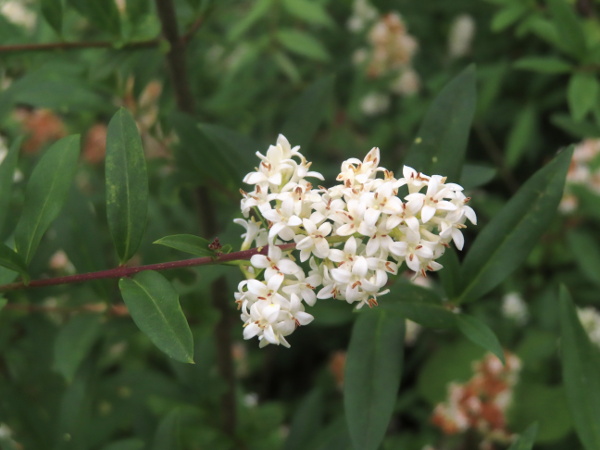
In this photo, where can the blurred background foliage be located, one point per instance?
(77, 374)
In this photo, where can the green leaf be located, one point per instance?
(582, 94)
(11, 260)
(578, 129)
(543, 64)
(580, 369)
(450, 274)
(586, 253)
(2, 303)
(7, 170)
(168, 433)
(526, 439)
(125, 444)
(154, 307)
(52, 10)
(287, 66)
(479, 333)
(102, 13)
(372, 376)
(508, 16)
(418, 304)
(303, 44)
(309, 11)
(126, 184)
(307, 421)
(442, 138)
(506, 241)
(569, 27)
(74, 342)
(476, 175)
(259, 9)
(188, 243)
(520, 135)
(308, 112)
(45, 194)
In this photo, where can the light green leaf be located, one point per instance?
(441, 141)
(308, 112)
(126, 184)
(303, 44)
(188, 243)
(259, 9)
(521, 135)
(372, 376)
(309, 11)
(580, 369)
(506, 241)
(508, 15)
(154, 307)
(287, 66)
(526, 439)
(11, 260)
(569, 27)
(7, 170)
(543, 64)
(582, 94)
(418, 304)
(74, 342)
(479, 333)
(307, 421)
(585, 249)
(52, 10)
(45, 194)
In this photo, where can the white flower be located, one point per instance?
(314, 242)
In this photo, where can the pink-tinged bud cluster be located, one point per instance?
(348, 239)
(482, 402)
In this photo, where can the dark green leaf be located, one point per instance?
(2, 303)
(154, 307)
(188, 243)
(440, 145)
(309, 11)
(582, 94)
(126, 184)
(450, 274)
(479, 333)
(45, 194)
(52, 10)
(307, 421)
(569, 27)
(543, 64)
(521, 135)
(580, 369)
(476, 175)
(526, 439)
(303, 44)
(7, 170)
(74, 342)
(102, 13)
(585, 250)
(372, 376)
(308, 112)
(11, 260)
(507, 240)
(575, 128)
(168, 433)
(418, 304)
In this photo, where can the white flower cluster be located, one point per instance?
(350, 237)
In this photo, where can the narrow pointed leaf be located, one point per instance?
(302, 43)
(372, 376)
(126, 184)
(73, 344)
(580, 369)
(569, 27)
(45, 194)
(307, 422)
(526, 440)
(52, 10)
(587, 254)
(441, 141)
(154, 307)
(168, 432)
(582, 94)
(507, 240)
(11, 260)
(307, 112)
(479, 333)
(188, 243)
(7, 170)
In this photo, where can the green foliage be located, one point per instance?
(372, 373)
(187, 243)
(126, 184)
(525, 440)
(154, 307)
(480, 334)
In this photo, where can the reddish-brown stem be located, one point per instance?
(120, 272)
